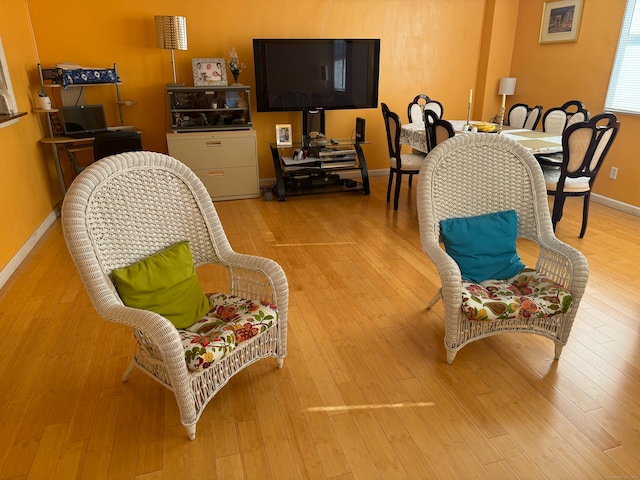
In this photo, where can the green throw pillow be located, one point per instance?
(484, 247)
(164, 283)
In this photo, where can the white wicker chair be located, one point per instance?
(475, 174)
(129, 206)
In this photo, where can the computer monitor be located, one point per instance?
(83, 120)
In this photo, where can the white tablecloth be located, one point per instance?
(536, 142)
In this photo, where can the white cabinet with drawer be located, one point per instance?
(225, 161)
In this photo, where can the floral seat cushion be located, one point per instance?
(231, 321)
(526, 295)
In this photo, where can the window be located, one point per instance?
(623, 94)
(7, 100)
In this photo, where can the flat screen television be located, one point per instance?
(316, 74)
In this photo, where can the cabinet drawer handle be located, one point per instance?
(213, 143)
(216, 173)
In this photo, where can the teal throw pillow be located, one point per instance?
(484, 247)
(164, 283)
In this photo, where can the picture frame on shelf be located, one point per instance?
(284, 138)
(561, 21)
(209, 71)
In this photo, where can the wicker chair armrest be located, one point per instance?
(157, 330)
(451, 288)
(154, 326)
(256, 277)
(563, 264)
(445, 264)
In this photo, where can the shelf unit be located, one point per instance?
(71, 96)
(320, 171)
(211, 133)
(210, 108)
(68, 98)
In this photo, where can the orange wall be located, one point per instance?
(418, 45)
(499, 31)
(442, 48)
(28, 190)
(551, 74)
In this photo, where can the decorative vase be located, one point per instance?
(235, 78)
(44, 103)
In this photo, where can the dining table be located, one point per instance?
(538, 143)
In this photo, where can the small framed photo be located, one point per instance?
(283, 135)
(561, 21)
(209, 71)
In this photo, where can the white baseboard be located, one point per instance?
(19, 257)
(616, 205)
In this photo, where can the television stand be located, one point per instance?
(320, 171)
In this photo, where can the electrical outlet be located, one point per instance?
(613, 173)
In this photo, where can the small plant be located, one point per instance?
(234, 64)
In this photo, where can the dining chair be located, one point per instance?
(437, 130)
(533, 117)
(517, 115)
(420, 104)
(556, 119)
(472, 240)
(137, 224)
(584, 148)
(399, 163)
(576, 112)
(522, 116)
(415, 109)
(436, 107)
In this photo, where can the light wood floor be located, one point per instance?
(365, 392)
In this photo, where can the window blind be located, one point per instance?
(623, 94)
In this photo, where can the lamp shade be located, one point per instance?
(171, 32)
(507, 86)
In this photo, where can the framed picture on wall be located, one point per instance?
(209, 71)
(7, 99)
(283, 135)
(561, 21)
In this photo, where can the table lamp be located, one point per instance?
(507, 87)
(171, 34)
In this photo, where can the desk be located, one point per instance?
(70, 146)
(536, 142)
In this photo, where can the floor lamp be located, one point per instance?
(171, 34)
(507, 87)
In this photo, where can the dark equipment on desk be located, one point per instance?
(83, 121)
(111, 143)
